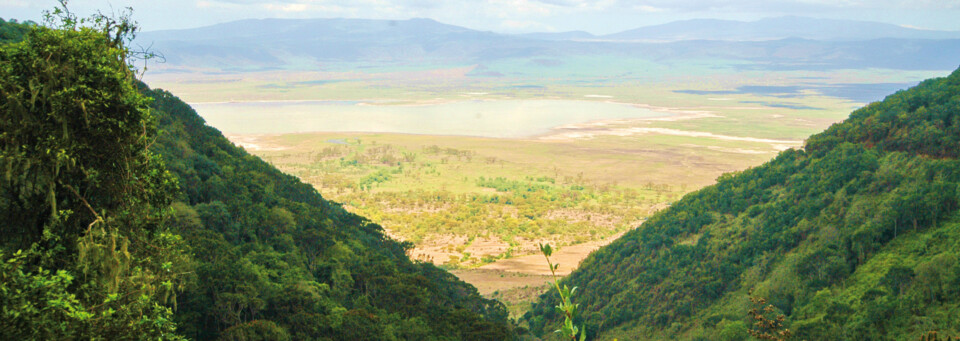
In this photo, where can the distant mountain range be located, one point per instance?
(785, 42)
(570, 35)
(275, 42)
(776, 29)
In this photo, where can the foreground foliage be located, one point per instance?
(566, 307)
(101, 178)
(853, 237)
(83, 253)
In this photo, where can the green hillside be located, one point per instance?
(269, 247)
(123, 216)
(854, 237)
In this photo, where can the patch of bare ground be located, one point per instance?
(483, 246)
(518, 281)
(439, 249)
(489, 282)
(515, 290)
(574, 133)
(253, 143)
(568, 257)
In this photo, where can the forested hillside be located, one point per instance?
(854, 237)
(269, 250)
(13, 31)
(125, 217)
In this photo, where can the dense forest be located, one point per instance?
(125, 217)
(13, 31)
(854, 237)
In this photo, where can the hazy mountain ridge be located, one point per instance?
(569, 35)
(803, 54)
(776, 29)
(267, 42)
(298, 44)
(308, 29)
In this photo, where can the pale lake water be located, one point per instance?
(495, 118)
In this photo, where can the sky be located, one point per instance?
(507, 16)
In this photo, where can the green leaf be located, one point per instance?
(546, 250)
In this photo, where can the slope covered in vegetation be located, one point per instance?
(269, 248)
(135, 220)
(13, 31)
(84, 252)
(856, 236)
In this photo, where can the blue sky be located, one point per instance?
(509, 16)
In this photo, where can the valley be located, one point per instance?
(477, 163)
(367, 179)
(475, 189)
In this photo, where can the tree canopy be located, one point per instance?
(82, 199)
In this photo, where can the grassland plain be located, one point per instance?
(480, 205)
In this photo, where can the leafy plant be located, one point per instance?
(566, 307)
